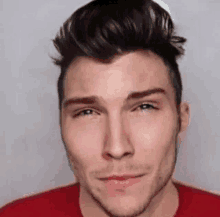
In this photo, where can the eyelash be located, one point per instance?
(149, 107)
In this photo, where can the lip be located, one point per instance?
(119, 183)
(120, 177)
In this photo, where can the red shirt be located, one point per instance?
(197, 203)
(64, 202)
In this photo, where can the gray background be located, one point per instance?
(32, 157)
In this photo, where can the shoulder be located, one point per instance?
(197, 202)
(55, 202)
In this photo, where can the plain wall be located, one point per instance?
(32, 156)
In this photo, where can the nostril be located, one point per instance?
(127, 153)
(109, 156)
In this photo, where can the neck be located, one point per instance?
(167, 204)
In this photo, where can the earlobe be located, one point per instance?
(184, 116)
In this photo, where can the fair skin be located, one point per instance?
(113, 134)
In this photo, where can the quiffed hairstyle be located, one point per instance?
(103, 29)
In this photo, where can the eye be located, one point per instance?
(146, 107)
(84, 113)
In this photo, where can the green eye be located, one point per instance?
(86, 112)
(146, 106)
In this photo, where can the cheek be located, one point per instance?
(153, 136)
(83, 141)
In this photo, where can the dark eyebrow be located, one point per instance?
(142, 94)
(81, 100)
(94, 99)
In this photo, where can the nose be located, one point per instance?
(117, 144)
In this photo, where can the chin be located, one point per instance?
(121, 203)
(131, 201)
(123, 206)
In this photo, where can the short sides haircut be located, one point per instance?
(103, 29)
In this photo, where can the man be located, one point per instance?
(120, 114)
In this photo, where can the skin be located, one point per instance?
(115, 136)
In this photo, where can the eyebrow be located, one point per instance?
(94, 99)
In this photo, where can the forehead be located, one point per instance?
(136, 71)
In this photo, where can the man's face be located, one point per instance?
(121, 144)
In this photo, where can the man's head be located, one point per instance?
(120, 102)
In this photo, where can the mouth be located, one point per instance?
(121, 182)
(120, 177)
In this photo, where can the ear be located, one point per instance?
(184, 116)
